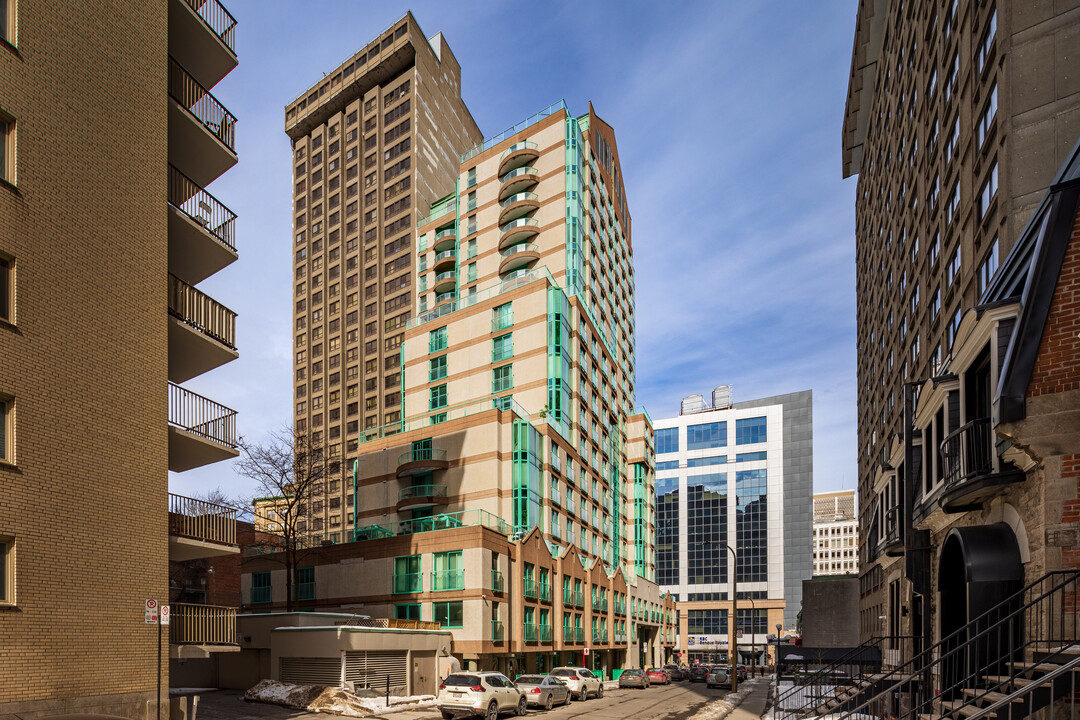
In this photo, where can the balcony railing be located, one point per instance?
(579, 598)
(201, 520)
(408, 583)
(543, 591)
(529, 589)
(514, 130)
(202, 624)
(202, 312)
(202, 416)
(203, 106)
(422, 454)
(530, 633)
(497, 632)
(519, 248)
(568, 633)
(579, 634)
(543, 633)
(261, 594)
(498, 584)
(422, 491)
(218, 19)
(202, 207)
(447, 580)
(620, 637)
(968, 452)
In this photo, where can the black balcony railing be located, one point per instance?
(893, 532)
(968, 452)
(202, 416)
(202, 312)
(203, 106)
(218, 19)
(202, 207)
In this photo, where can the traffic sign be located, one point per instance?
(150, 612)
(164, 614)
(586, 652)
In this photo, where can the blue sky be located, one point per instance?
(728, 120)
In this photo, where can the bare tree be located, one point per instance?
(291, 470)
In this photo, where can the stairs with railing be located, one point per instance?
(1011, 661)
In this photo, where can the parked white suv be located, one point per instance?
(479, 693)
(581, 681)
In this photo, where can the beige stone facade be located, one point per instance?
(106, 231)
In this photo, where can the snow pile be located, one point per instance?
(342, 702)
(297, 697)
(333, 700)
(720, 708)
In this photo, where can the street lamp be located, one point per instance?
(776, 663)
(753, 637)
(733, 620)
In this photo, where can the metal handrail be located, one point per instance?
(204, 107)
(967, 452)
(992, 709)
(201, 520)
(197, 309)
(517, 172)
(189, 198)
(218, 19)
(421, 454)
(191, 624)
(202, 416)
(954, 647)
(419, 491)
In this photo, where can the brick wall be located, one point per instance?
(1058, 366)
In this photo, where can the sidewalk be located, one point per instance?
(753, 705)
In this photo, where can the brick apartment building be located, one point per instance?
(108, 139)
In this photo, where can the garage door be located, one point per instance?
(311, 671)
(371, 668)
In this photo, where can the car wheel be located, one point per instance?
(549, 702)
(569, 697)
(583, 695)
(522, 706)
(600, 691)
(492, 711)
(447, 715)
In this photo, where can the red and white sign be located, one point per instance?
(164, 614)
(150, 612)
(585, 652)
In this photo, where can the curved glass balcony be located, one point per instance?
(445, 280)
(518, 230)
(517, 205)
(517, 256)
(445, 259)
(517, 180)
(517, 155)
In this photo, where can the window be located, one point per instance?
(502, 317)
(437, 397)
(988, 267)
(747, 457)
(7, 142)
(7, 556)
(407, 611)
(502, 347)
(709, 435)
(750, 430)
(260, 587)
(305, 583)
(407, 576)
(437, 368)
(7, 427)
(502, 378)
(448, 614)
(986, 118)
(986, 45)
(667, 440)
(7, 288)
(988, 192)
(437, 340)
(7, 28)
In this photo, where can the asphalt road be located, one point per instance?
(677, 701)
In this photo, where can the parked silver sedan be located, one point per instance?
(634, 677)
(544, 690)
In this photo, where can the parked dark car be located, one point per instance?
(675, 672)
(634, 678)
(698, 673)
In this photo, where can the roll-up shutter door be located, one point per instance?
(311, 671)
(371, 668)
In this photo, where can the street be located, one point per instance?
(660, 702)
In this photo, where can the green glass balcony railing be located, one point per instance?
(567, 596)
(260, 595)
(445, 233)
(579, 634)
(519, 248)
(530, 632)
(497, 582)
(497, 633)
(422, 491)
(523, 145)
(520, 223)
(421, 454)
(519, 197)
(447, 580)
(543, 633)
(516, 173)
(579, 598)
(543, 591)
(408, 583)
(529, 589)
(444, 255)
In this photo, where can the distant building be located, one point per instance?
(763, 451)
(836, 533)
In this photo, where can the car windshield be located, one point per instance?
(530, 680)
(461, 681)
(565, 673)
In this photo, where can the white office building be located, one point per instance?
(734, 476)
(836, 533)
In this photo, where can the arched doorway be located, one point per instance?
(979, 573)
